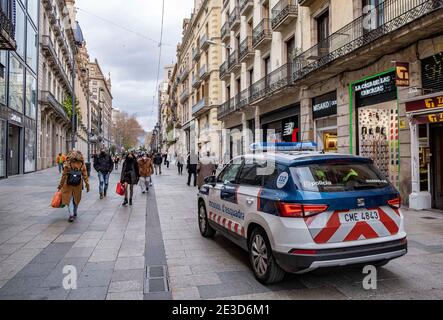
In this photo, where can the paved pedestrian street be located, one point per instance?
(153, 250)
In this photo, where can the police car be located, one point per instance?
(297, 211)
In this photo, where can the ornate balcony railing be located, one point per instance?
(234, 18)
(48, 98)
(233, 61)
(226, 108)
(242, 99)
(204, 42)
(184, 75)
(223, 70)
(381, 20)
(261, 32)
(184, 95)
(203, 72)
(7, 31)
(246, 6)
(200, 106)
(245, 49)
(49, 49)
(274, 81)
(283, 11)
(225, 31)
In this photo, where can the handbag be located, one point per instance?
(120, 190)
(56, 201)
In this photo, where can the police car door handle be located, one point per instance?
(250, 201)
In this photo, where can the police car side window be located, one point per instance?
(270, 181)
(248, 175)
(229, 175)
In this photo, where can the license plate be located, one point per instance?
(359, 216)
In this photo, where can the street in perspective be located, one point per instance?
(194, 150)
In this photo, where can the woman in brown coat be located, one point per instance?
(72, 182)
(145, 168)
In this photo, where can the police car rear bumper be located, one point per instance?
(302, 263)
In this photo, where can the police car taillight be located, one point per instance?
(294, 210)
(395, 203)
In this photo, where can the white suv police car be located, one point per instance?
(310, 210)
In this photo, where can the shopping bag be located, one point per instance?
(56, 202)
(120, 190)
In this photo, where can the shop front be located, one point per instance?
(375, 106)
(426, 121)
(282, 125)
(324, 114)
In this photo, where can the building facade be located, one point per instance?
(328, 71)
(19, 49)
(195, 88)
(57, 51)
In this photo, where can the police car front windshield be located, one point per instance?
(338, 177)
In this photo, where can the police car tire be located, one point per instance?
(274, 273)
(209, 232)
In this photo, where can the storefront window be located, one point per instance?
(2, 148)
(324, 112)
(20, 30)
(29, 150)
(31, 54)
(3, 77)
(31, 95)
(16, 84)
(424, 155)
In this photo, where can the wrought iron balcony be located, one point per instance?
(184, 96)
(227, 108)
(225, 3)
(242, 99)
(204, 42)
(52, 14)
(391, 16)
(48, 50)
(225, 32)
(204, 73)
(196, 81)
(196, 54)
(233, 64)
(47, 98)
(7, 31)
(246, 7)
(261, 35)
(283, 14)
(246, 51)
(184, 75)
(224, 74)
(277, 80)
(200, 107)
(234, 18)
(305, 3)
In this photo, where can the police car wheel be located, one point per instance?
(265, 268)
(205, 229)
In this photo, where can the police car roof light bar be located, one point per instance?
(284, 146)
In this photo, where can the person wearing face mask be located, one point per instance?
(104, 165)
(146, 168)
(129, 176)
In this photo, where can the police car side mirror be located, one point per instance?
(212, 180)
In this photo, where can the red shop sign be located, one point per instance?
(429, 118)
(426, 104)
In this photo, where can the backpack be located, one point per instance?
(74, 178)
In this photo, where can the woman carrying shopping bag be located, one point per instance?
(129, 176)
(72, 183)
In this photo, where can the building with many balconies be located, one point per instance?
(330, 72)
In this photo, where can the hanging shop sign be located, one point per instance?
(402, 73)
(376, 90)
(425, 104)
(325, 105)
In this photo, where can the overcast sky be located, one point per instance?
(131, 59)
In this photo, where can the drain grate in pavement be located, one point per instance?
(157, 279)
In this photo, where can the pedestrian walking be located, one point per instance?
(129, 176)
(158, 160)
(146, 168)
(104, 165)
(192, 170)
(72, 183)
(60, 160)
(180, 164)
(206, 168)
(116, 161)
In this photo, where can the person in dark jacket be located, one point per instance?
(158, 160)
(104, 165)
(192, 170)
(129, 176)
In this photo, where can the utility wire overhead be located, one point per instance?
(159, 58)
